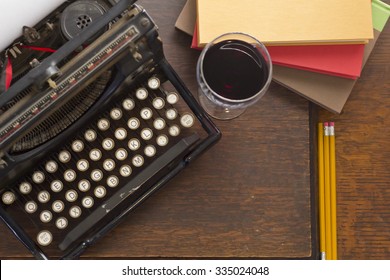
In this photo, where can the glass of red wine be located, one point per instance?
(234, 71)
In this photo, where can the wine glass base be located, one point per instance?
(218, 112)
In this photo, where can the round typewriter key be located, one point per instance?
(43, 196)
(56, 186)
(45, 216)
(146, 113)
(146, 134)
(158, 103)
(159, 124)
(84, 185)
(90, 135)
(138, 161)
(150, 151)
(38, 177)
(64, 156)
(125, 171)
(44, 238)
(172, 98)
(96, 175)
(187, 120)
(109, 165)
(58, 206)
(116, 114)
(82, 165)
(108, 144)
(87, 202)
(134, 144)
(31, 207)
(71, 196)
(141, 93)
(154, 83)
(100, 192)
(95, 154)
(171, 114)
(8, 198)
(25, 188)
(103, 124)
(121, 154)
(133, 123)
(174, 130)
(77, 146)
(112, 181)
(75, 212)
(70, 175)
(61, 223)
(120, 134)
(162, 140)
(128, 104)
(51, 166)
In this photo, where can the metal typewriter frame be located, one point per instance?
(41, 73)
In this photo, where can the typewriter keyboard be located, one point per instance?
(108, 162)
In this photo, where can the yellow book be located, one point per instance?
(292, 22)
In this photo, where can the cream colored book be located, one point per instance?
(281, 22)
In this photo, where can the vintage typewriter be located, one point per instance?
(93, 120)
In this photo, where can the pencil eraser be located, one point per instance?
(326, 124)
(331, 124)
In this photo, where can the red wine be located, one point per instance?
(235, 69)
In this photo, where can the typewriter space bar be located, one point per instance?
(137, 182)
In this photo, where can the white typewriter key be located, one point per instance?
(51, 166)
(116, 114)
(31, 207)
(61, 223)
(174, 130)
(38, 177)
(154, 83)
(134, 144)
(159, 123)
(121, 154)
(133, 123)
(109, 165)
(112, 181)
(171, 114)
(187, 120)
(95, 154)
(138, 161)
(64, 156)
(70, 175)
(71, 196)
(84, 185)
(87, 202)
(125, 171)
(150, 151)
(77, 146)
(90, 135)
(75, 212)
(162, 140)
(146, 134)
(128, 104)
(141, 93)
(120, 133)
(103, 124)
(25, 188)
(82, 165)
(58, 206)
(100, 192)
(8, 198)
(56, 186)
(46, 216)
(44, 238)
(43, 196)
(172, 98)
(146, 113)
(108, 144)
(158, 103)
(96, 175)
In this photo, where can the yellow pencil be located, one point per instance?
(333, 200)
(328, 231)
(321, 190)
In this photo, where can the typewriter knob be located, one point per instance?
(79, 15)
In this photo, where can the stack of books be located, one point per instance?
(318, 48)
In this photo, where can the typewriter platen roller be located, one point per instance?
(93, 120)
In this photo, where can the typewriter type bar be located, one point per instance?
(64, 193)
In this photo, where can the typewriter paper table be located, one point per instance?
(248, 197)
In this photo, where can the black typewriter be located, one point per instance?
(93, 120)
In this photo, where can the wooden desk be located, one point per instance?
(250, 196)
